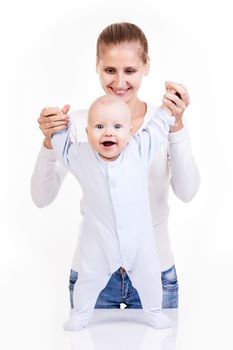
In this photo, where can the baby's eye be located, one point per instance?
(117, 126)
(99, 126)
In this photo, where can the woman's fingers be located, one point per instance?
(174, 87)
(174, 103)
(65, 109)
(48, 132)
(54, 124)
(53, 119)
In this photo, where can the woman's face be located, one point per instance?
(121, 69)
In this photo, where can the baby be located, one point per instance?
(112, 169)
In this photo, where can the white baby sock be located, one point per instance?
(157, 319)
(74, 323)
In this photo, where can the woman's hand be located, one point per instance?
(175, 105)
(52, 119)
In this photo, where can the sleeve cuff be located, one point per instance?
(178, 136)
(166, 117)
(48, 153)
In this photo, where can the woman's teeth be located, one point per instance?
(120, 92)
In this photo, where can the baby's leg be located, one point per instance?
(147, 280)
(86, 292)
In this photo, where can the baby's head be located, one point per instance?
(109, 126)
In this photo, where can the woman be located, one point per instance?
(122, 62)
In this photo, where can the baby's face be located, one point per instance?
(109, 128)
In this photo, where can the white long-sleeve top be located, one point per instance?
(172, 164)
(117, 226)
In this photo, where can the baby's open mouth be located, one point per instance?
(108, 143)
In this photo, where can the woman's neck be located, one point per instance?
(138, 111)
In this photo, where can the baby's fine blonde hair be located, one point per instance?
(106, 100)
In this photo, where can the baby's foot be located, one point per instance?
(158, 319)
(73, 323)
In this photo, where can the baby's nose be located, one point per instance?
(108, 132)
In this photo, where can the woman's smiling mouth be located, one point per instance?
(120, 92)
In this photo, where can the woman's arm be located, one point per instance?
(185, 178)
(47, 177)
(48, 173)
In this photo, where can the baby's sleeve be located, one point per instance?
(154, 134)
(64, 147)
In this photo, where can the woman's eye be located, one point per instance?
(110, 70)
(99, 126)
(117, 126)
(130, 71)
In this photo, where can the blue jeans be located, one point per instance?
(120, 290)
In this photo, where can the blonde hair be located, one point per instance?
(107, 100)
(117, 33)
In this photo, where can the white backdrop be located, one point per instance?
(48, 58)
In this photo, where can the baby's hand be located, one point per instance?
(175, 101)
(51, 120)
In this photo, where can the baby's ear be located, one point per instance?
(147, 66)
(97, 68)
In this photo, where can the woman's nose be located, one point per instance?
(120, 81)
